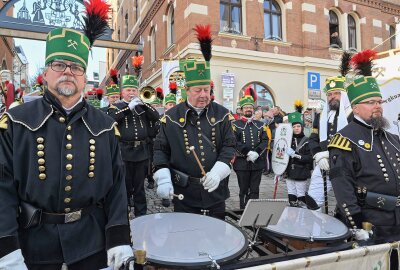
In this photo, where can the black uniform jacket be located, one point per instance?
(250, 136)
(300, 169)
(135, 128)
(61, 164)
(363, 160)
(212, 136)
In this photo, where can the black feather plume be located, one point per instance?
(345, 67)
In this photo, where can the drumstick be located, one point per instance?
(179, 196)
(198, 161)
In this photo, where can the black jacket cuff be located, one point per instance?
(8, 244)
(117, 236)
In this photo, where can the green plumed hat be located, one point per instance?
(249, 97)
(362, 88)
(112, 89)
(335, 84)
(170, 98)
(129, 81)
(197, 72)
(94, 102)
(295, 117)
(364, 85)
(67, 44)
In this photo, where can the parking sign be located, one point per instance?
(314, 81)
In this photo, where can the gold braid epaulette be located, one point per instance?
(340, 142)
(3, 121)
(163, 119)
(315, 131)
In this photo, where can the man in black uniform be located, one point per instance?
(113, 95)
(205, 126)
(365, 162)
(251, 149)
(133, 118)
(62, 193)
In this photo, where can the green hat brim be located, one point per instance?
(362, 88)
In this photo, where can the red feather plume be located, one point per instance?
(249, 91)
(160, 93)
(114, 75)
(137, 61)
(173, 87)
(97, 7)
(39, 80)
(203, 34)
(212, 84)
(6, 82)
(95, 19)
(362, 62)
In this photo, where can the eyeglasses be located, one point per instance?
(372, 102)
(61, 67)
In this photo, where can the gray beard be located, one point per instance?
(66, 92)
(378, 122)
(334, 105)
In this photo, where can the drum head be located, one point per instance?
(186, 240)
(304, 224)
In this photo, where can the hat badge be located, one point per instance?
(332, 84)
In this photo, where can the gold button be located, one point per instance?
(40, 140)
(42, 176)
(199, 134)
(92, 141)
(186, 143)
(68, 146)
(91, 174)
(68, 167)
(200, 141)
(40, 153)
(68, 177)
(92, 148)
(187, 152)
(202, 153)
(42, 168)
(91, 161)
(201, 147)
(67, 188)
(69, 137)
(185, 135)
(91, 168)
(40, 147)
(69, 156)
(67, 200)
(69, 128)
(213, 133)
(92, 154)
(41, 161)
(203, 159)
(61, 119)
(67, 210)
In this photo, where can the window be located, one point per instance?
(272, 20)
(171, 26)
(4, 65)
(126, 26)
(392, 32)
(352, 29)
(264, 96)
(334, 38)
(153, 45)
(119, 34)
(231, 16)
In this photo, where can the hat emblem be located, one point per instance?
(201, 72)
(72, 43)
(332, 84)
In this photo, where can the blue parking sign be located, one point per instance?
(314, 80)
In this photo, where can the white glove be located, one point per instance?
(164, 183)
(290, 152)
(360, 234)
(13, 260)
(218, 172)
(252, 156)
(322, 159)
(134, 102)
(118, 255)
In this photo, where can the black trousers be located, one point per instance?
(96, 261)
(134, 181)
(217, 210)
(249, 186)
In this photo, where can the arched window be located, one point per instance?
(272, 20)
(231, 16)
(334, 37)
(392, 31)
(153, 45)
(4, 65)
(171, 26)
(352, 30)
(126, 26)
(264, 96)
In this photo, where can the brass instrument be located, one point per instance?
(147, 95)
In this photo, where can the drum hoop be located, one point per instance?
(196, 265)
(315, 239)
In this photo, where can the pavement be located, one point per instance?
(266, 192)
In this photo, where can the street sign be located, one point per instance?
(313, 81)
(314, 94)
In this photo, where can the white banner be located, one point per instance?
(283, 140)
(371, 257)
(168, 67)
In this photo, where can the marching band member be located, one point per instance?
(112, 91)
(251, 146)
(62, 196)
(133, 117)
(365, 161)
(201, 124)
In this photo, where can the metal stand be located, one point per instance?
(324, 175)
(256, 230)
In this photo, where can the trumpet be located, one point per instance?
(147, 95)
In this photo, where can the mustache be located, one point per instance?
(66, 78)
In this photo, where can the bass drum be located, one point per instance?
(186, 241)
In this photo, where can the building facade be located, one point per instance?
(285, 48)
(6, 49)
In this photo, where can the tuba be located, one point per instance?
(147, 95)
